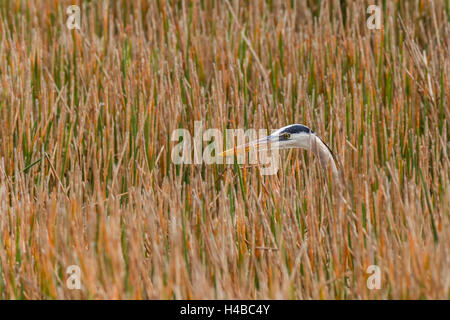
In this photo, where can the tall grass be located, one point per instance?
(86, 176)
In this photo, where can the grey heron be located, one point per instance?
(294, 136)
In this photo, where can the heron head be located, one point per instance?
(292, 136)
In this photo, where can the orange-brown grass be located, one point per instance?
(86, 176)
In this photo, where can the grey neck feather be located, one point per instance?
(326, 158)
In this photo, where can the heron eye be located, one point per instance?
(286, 136)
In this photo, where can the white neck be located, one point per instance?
(327, 161)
